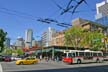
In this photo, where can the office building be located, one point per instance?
(19, 42)
(34, 43)
(7, 42)
(102, 13)
(47, 36)
(58, 39)
(28, 38)
(89, 25)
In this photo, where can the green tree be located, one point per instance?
(73, 36)
(19, 51)
(92, 39)
(77, 37)
(6, 51)
(2, 39)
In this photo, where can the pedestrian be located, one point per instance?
(40, 57)
(57, 58)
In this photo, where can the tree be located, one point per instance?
(73, 36)
(8, 51)
(19, 51)
(92, 39)
(2, 39)
(78, 37)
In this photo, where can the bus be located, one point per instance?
(82, 56)
(105, 56)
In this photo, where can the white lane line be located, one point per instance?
(1, 70)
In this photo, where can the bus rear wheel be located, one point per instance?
(98, 61)
(79, 61)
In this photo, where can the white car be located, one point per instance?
(15, 58)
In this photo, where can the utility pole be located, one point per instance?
(105, 42)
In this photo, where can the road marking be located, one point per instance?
(1, 70)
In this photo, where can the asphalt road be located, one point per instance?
(55, 67)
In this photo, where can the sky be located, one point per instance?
(16, 16)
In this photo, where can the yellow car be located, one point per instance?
(27, 61)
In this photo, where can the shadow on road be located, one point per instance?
(103, 68)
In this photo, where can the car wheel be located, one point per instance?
(78, 61)
(34, 63)
(21, 63)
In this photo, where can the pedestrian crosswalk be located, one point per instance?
(1, 70)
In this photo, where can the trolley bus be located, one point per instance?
(82, 56)
(105, 56)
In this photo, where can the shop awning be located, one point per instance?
(46, 50)
(60, 50)
(38, 51)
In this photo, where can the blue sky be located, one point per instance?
(16, 25)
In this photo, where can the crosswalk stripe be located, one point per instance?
(1, 70)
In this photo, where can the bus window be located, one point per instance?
(76, 53)
(73, 54)
(69, 54)
(87, 54)
(99, 54)
(81, 53)
(105, 54)
(64, 55)
(91, 53)
(94, 54)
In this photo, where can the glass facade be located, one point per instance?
(29, 37)
(103, 20)
(102, 13)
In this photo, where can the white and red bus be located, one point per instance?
(105, 56)
(82, 56)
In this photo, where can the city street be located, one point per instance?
(55, 67)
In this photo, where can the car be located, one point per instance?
(18, 58)
(1, 58)
(6, 58)
(27, 61)
(15, 58)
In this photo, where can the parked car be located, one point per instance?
(15, 58)
(1, 58)
(27, 61)
(6, 58)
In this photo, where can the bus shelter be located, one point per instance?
(53, 51)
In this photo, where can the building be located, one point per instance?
(7, 42)
(102, 13)
(34, 43)
(58, 39)
(78, 21)
(89, 25)
(19, 42)
(47, 36)
(28, 38)
(39, 43)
